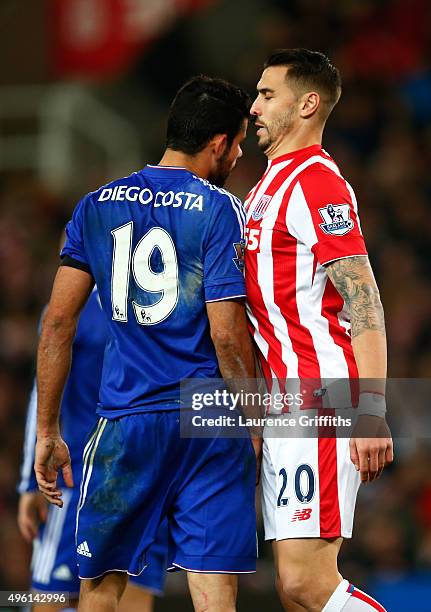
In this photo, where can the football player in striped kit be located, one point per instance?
(315, 313)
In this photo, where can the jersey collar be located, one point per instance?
(150, 169)
(306, 151)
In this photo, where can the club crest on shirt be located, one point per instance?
(239, 250)
(260, 208)
(336, 217)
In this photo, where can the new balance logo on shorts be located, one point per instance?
(302, 515)
(84, 550)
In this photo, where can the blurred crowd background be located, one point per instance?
(84, 91)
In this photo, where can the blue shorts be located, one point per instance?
(138, 470)
(54, 565)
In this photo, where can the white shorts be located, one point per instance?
(309, 488)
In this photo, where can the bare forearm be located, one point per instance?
(354, 280)
(53, 364)
(238, 368)
(235, 357)
(235, 354)
(69, 294)
(370, 353)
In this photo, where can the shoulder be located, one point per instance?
(103, 190)
(222, 200)
(320, 166)
(218, 194)
(322, 177)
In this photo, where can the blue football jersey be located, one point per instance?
(78, 406)
(159, 244)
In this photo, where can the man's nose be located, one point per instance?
(255, 110)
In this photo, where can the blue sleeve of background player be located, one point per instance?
(224, 250)
(73, 252)
(28, 477)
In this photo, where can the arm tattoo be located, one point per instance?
(354, 281)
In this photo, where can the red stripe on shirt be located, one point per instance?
(254, 293)
(369, 600)
(285, 283)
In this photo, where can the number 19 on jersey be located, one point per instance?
(138, 263)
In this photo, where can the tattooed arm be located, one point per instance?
(354, 280)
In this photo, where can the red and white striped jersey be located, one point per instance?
(300, 216)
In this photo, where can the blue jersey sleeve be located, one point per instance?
(224, 251)
(28, 477)
(73, 252)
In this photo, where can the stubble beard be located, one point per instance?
(277, 130)
(221, 174)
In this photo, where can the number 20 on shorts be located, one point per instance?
(305, 485)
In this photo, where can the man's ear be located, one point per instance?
(218, 145)
(310, 103)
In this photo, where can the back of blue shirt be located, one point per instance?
(159, 244)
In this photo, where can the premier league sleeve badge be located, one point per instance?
(337, 221)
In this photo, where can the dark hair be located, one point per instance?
(203, 108)
(310, 70)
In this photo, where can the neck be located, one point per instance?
(195, 164)
(294, 141)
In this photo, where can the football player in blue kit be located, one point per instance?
(162, 247)
(52, 530)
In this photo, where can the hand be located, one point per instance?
(257, 445)
(32, 511)
(52, 453)
(370, 455)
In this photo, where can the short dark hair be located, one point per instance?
(203, 108)
(309, 70)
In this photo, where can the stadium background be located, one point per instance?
(84, 91)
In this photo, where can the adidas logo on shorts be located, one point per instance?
(84, 550)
